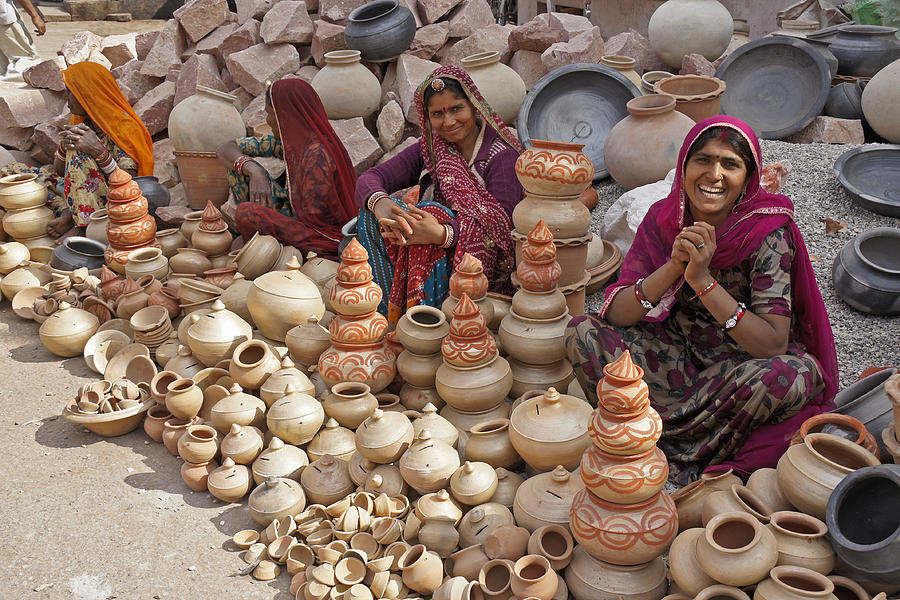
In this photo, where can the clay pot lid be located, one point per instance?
(68, 320)
(229, 475)
(288, 284)
(426, 453)
(549, 493)
(473, 478)
(236, 400)
(276, 494)
(13, 254)
(539, 246)
(382, 428)
(332, 439)
(551, 417)
(439, 427)
(293, 405)
(280, 457)
(319, 269)
(623, 368)
(354, 267)
(288, 374)
(436, 504)
(218, 325)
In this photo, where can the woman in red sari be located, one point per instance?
(316, 199)
(718, 304)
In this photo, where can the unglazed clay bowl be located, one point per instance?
(110, 424)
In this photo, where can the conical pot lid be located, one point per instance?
(219, 325)
(551, 417)
(289, 284)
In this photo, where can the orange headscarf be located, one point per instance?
(94, 87)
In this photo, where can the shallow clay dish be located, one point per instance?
(140, 369)
(777, 85)
(118, 422)
(106, 343)
(23, 301)
(578, 103)
(118, 364)
(871, 176)
(151, 319)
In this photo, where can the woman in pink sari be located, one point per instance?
(717, 302)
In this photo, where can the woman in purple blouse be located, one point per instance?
(464, 165)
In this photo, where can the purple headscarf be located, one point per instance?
(757, 214)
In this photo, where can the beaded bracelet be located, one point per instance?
(705, 290)
(373, 200)
(449, 234)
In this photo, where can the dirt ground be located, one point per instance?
(90, 518)
(59, 32)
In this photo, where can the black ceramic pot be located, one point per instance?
(864, 523)
(866, 272)
(349, 231)
(845, 101)
(380, 30)
(76, 252)
(868, 402)
(863, 50)
(820, 46)
(156, 194)
(871, 176)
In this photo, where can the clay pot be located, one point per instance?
(495, 579)
(439, 535)
(258, 256)
(358, 330)
(533, 578)
(371, 364)
(864, 50)
(230, 482)
(421, 329)
(440, 428)
(739, 499)
(21, 190)
(214, 243)
(676, 30)
(501, 86)
(21, 278)
(625, 479)
(332, 439)
(550, 430)
(275, 385)
(880, 110)
(736, 549)
(624, 65)
(326, 480)
(722, 592)
(643, 147)
(809, 472)
(624, 533)
(534, 341)
(295, 417)
(196, 475)
(190, 260)
(147, 261)
(280, 300)
(696, 96)
(589, 579)
(508, 542)
(242, 444)
(868, 401)
(184, 399)
(720, 480)
(473, 483)
(553, 169)
(277, 497)
(199, 444)
(489, 442)
(507, 486)
(168, 299)
(847, 589)
(170, 240)
(13, 254)
(346, 87)
(184, 363)
(27, 222)
(554, 543)
(801, 541)
(350, 404)
(625, 434)
(422, 570)
(154, 422)
(474, 388)
(794, 583)
(173, 429)
(238, 407)
(384, 436)
(477, 524)
(764, 483)
(466, 563)
(67, 330)
(216, 335)
(279, 460)
(252, 362)
(683, 564)
(546, 499)
(220, 120)
(418, 370)
(428, 464)
(307, 342)
(380, 30)
(204, 177)
(838, 424)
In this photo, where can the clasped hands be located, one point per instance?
(692, 251)
(408, 225)
(82, 139)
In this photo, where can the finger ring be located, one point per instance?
(700, 245)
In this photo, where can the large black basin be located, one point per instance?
(776, 85)
(871, 176)
(578, 103)
(866, 271)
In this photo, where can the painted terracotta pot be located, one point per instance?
(554, 169)
(373, 365)
(622, 389)
(589, 579)
(625, 434)
(624, 479)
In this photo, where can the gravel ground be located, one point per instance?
(862, 340)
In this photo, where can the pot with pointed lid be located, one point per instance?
(474, 483)
(274, 386)
(67, 330)
(385, 479)
(508, 484)
(350, 403)
(215, 335)
(354, 292)
(237, 407)
(440, 428)
(279, 460)
(477, 524)
(622, 389)
(384, 437)
(276, 497)
(332, 439)
(438, 503)
(184, 363)
(281, 300)
(428, 463)
(546, 499)
(212, 234)
(235, 297)
(307, 342)
(295, 417)
(12, 254)
(550, 430)
(242, 444)
(23, 277)
(230, 482)
(326, 480)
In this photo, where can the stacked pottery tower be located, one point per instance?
(130, 225)
(212, 234)
(623, 516)
(554, 174)
(468, 278)
(533, 333)
(421, 330)
(358, 351)
(473, 379)
(27, 218)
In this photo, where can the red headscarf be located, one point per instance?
(752, 219)
(301, 121)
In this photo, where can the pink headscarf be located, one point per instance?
(752, 219)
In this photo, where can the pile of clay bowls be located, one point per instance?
(578, 103)
(871, 176)
(196, 294)
(105, 411)
(102, 346)
(777, 85)
(866, 271)
(152, 326)
(867, 401)
(76, 252)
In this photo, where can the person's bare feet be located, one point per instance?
(61, 225)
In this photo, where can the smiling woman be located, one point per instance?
(721, 309)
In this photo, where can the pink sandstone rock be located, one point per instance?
(390, 125)
(164, 167)
(252, 9)
(287, 22)
(584, 47)
(243, 98)
(432, 10)
(327, 37)
(633, 44)
(199, 69)
(172, 216)
(80, 46)
(470, 16)
(199, 17)
(337, 11)
(535, 36)
(696, 64)
(132, 82)
(144, 41)
(362, 147)
(245, 36)
(227, 79)
(253, 67)
(26, 107)
(529, 66)
(154, 108)
(119, 49)
(491, 38)
(211, 43)
(166, 51)
(47, 135)
(397, 150)
(47, 74)
(429, 40)
(255, 113)
(411, 71)
(829, 130)
(571, 24)
(307, 73)
(16, 138)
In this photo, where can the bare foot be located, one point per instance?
(60, 225)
